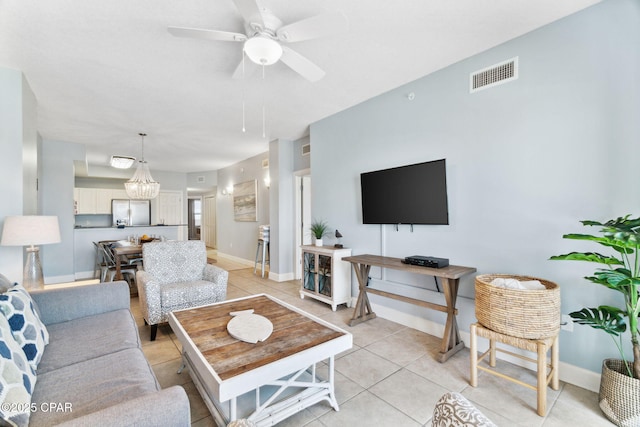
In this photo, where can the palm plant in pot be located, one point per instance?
(620, 381)
(319, 229)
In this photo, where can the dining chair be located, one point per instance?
(128, 270)
(100, 269)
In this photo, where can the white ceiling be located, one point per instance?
(103, 71)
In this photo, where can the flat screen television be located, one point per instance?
(412, 194)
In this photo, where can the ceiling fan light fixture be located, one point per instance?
(263, 50)
(121, 162)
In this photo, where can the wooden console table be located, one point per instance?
(451, 342)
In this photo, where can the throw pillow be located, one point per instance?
(27, 329)
(5, 283)
(17, 378)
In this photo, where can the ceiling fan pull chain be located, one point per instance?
(264, 133)
(243, 91)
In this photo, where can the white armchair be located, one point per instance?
(176, 276)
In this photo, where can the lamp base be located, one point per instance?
(32, 277)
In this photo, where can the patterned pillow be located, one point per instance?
(5, 283)
(27, 329)
(454, 410)
(17, 378)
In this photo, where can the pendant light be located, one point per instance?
(142, 186)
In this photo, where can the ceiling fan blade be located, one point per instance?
(250, 11)
(301, 65)
(198, 33)
(317, 26)
(250, 68)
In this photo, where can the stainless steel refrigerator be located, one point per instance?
(131, 212)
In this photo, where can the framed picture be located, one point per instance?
(245, 201)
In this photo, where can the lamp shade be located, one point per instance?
(263, 50)
(30, 230)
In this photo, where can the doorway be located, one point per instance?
(209, 222)
(303, 217)
(194, 211)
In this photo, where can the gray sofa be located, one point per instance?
(94, 364)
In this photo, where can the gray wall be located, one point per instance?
(202, 182)
(13, 117)
(92, 182)
(30, 140)
(282, 209)
(236, 238)
(239, 239)
(301, 162)
(525, 162)
(57, 181)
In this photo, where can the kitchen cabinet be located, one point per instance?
(86, 200)
(103, 201)
(325, 276)
(96, 200)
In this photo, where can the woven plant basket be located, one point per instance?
(522, 313)
(619, 394)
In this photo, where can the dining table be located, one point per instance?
(125, 251)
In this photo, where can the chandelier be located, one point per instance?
(141, 185)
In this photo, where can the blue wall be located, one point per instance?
(526, 161)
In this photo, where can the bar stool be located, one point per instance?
(262, 251)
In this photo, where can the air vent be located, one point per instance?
(265, 163)
(200, 179)
(495, 75)
(306, 149)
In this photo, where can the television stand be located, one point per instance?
(451, 341)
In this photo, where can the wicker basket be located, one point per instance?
(522, 313)
(619, 393)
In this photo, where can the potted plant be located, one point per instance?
(319, 229)
(620, 381)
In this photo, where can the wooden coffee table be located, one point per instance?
(265, 382)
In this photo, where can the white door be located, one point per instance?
(209, 222)
(303, 218)
(169, 211)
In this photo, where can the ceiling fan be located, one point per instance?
(265, 34)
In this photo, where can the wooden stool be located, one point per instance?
(538, 346)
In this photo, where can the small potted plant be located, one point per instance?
(620, 381)
(319, 229)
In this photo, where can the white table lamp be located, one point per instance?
(31, 230)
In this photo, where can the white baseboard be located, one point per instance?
(568, 373)
(281, 277)
(239, 260)
(284, 277)
(84, 275)
(50, 280)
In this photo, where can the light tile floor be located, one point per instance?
(388, 378)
